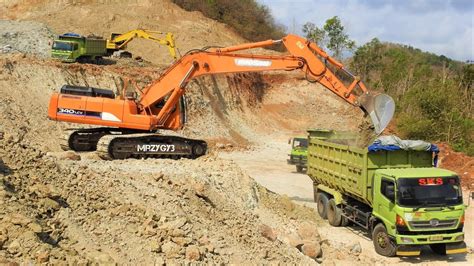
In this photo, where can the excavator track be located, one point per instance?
(82, 139)
(149, 145)
(114, 143)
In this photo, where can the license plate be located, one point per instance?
(436, 238)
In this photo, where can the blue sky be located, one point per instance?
(438, 26)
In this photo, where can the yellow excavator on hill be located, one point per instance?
(118, 42)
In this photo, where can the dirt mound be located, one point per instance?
(25, 37)
(457, 162)
(62, 210)
(75, 208)
(191, 29)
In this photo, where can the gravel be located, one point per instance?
(25, 37)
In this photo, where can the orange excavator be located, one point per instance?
(130, 125)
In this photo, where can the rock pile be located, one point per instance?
(25, 37)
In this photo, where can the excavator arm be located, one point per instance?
(304, 55)
(120, 41)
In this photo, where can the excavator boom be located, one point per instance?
(161, 105)
(120, 41)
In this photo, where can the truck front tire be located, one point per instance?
(334, 213)
(322, 202)
(382, 242)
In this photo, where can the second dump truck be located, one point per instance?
(299, 149)
(397, 195)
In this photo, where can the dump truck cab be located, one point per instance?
(419, 206)
(66, 51)
(298, 155)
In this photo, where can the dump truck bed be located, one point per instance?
(95, 46)
(335, 163)
(89, 46)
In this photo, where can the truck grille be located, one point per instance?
(433, 224)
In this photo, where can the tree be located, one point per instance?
(338, 40)
(314, 34)
(332, 36)
(367, 58)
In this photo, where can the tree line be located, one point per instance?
(248, 18)
(433, 94)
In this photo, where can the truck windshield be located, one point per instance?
(300, 143)
(429, 191)
(65, 46)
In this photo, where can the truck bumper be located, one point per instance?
(415, 250)
(297, 161)
(408, 250)
(456, 248)
(410, 245)
(429, 239)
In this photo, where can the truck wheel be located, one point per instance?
(322, 202)
(334, 213)
(344, 221)
(439, 249)
(299, 168)
(382, 242)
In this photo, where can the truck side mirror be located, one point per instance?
(289, 141)
(390, 192)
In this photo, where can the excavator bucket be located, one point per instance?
(380, 107)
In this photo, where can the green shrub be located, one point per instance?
(434, 94)
(251, 20)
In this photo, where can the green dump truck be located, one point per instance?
(71, 47)
(397, 195)
(299, 149)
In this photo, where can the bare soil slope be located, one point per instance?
(191, 29)
(66, 207)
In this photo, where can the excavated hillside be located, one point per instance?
(65, 207)
(191, 29)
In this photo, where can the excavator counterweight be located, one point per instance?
(127, 122)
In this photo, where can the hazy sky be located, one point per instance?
(438, 26)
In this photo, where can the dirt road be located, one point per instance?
(267, 165)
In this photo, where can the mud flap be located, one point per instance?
(408, 250)
(456, 248)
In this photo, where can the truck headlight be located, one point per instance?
(460, 238)
(407, 240)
